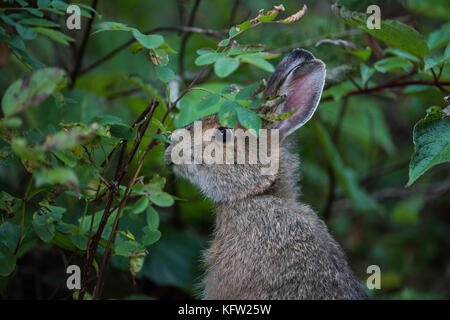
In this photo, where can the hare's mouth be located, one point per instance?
(167, 158)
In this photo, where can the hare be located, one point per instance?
(266, 244)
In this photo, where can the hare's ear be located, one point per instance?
(301, 78)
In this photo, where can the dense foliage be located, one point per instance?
(85, 116)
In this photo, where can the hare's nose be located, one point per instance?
(167, 144)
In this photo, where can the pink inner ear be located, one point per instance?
(303, 90)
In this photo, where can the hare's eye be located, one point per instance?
(225, 133)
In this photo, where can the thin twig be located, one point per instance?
(436, 81)
(234, 11)
(431, 191)
(93, 245)
(82, 49)
(355, 83)
(391, 85)
(120, 206)
(328, 209)
(185, 39)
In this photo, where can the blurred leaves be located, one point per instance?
(392, 32)
(31, 90)
(174, 259)
(347, 178)
(393, 64)
(45, 220)
(7, 261)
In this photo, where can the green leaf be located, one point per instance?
(136, 47)
(165, 74)
(64, 241)
(152, 218)
(159, 125)
(268, 17)
(7, 261)
(363, 54)
(392, 32)
(208, 101)
(203, 51)
(44, 3)
(39, 22)
(393, 64)
(108, 119)
(192, 108)
(431, 138)
(62, 176)
(44, 225)
(174, 259)
(255, 104)
(127, 234)
(136, 262)
(150, 236)
(60, 5)
(9, 235)
(86, 222)
(401, 53)
(230, 89)
(207, 58)
(55, 35)
(150, 41)
(260, 63)
(65, 227)
(140, 205)
(165, 47)
(25, 33)
(117, 127)
(161, 198)
(233, 32)
(79, 240)
(439, 38)
(224, 43)
(225, 66)
(246, 93)
(228, 113)
(435, 59)
(67, 159)
(347, 178)
(89, 8)
(366, 73)
(127, 248)
(249, 119)
(35, 12)
(109, 26)
(23, 3)
(14, 122)
(68, 138)
(246, 49)
(31, 90)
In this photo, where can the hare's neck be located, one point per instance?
(286, 185)
(285, 188)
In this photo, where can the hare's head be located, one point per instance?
(233, 163)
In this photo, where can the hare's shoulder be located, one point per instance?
(277, 213)
(289, 227)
